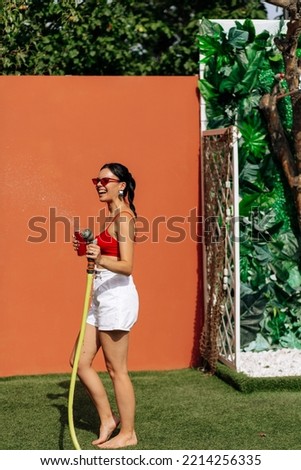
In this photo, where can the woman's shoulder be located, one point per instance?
(125, 221)
(124, 214)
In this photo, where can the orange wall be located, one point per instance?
(56, 132)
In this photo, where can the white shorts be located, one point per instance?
(114, 303)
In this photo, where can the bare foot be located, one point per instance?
(122, 440)
(106, 431)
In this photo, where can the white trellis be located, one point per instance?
(221, 247)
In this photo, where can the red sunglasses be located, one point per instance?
(103, 181)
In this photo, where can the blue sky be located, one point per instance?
(272, 10)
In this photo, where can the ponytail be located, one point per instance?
(130, 192)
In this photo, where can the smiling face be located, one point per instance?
(108, 185)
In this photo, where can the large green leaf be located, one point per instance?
(258, 344)
(286, 246)
(294, 279)
(251, 313)
(289, 273)
(262, 254)
(264, 221)
(247, 203)
(250, 172)
(229, 83)
(237, 38)
(275, 325)
(290, 341)
(251, 76)
(248, 104)
(254, 136)
(208, 47)
(261, 40)
(207, 90)
(210, 28)
(248, 26)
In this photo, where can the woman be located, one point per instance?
(114, 308)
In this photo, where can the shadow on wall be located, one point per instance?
(199, 311)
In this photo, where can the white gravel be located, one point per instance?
(279, 363)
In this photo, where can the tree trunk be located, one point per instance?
(289, 154)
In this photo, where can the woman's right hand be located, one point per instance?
(75, 243)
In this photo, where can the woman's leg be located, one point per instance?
(93, 384)
(115, 350)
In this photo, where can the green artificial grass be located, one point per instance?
(183, 409)
(244, 383)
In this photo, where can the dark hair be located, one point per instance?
(124, 175)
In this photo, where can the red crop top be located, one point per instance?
(109, 246)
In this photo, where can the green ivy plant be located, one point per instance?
(239, 68)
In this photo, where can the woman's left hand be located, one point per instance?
(93, 251)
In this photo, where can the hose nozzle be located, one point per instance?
(87, 235)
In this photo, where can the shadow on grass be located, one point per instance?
(84, 414)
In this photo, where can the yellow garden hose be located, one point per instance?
(90, 272)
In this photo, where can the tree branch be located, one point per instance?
(282, 3)
(279, 142)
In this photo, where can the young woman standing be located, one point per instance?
(114, 308)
